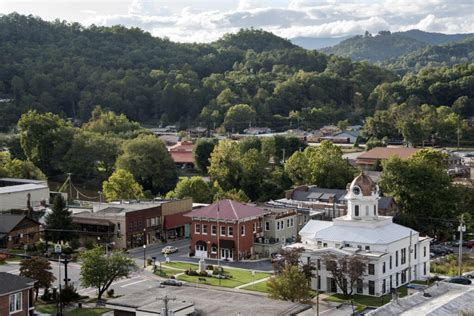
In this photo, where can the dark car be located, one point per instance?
(172, 282)
(459, 280)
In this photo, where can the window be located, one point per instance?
(375, 210)
(214, 249)
(242, 230)
(230, 232)
(356, 210)
(424, 268)
(371, 288)
(292, 222)
(319, 264)
(197, 228)
(390, 262)
(404, 276)
(391, 284)
(396, 258)
(403, 255)
(424, 251)
(288, 222)
(222, 230)
(367, 248)
(415, 250)
(201, 247)
(325, 245)
(15, 302)
(278, 225)
(148, 222)
(396, 279)
(319, 243)
(204, 229)
(213, 230)
(267, 226)
(371, 269)
(383, 286)
(383, 267)
(254, 228)
(360, 286)
(366, 210)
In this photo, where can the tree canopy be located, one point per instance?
(121, 185)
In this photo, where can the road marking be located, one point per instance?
(134, 283)
(125, 280)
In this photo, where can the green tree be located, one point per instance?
(60, 218)
(45, 139)
(147, 158)
(121, 185)
(39, 269)
(101, 271)
(239, 117)
(233, 194)
(194, 187)
(202, 153)
(107, 122)
(290, 285)
(297, 168)
(16, 168)
(225, 165)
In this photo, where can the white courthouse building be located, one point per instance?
(395, 254)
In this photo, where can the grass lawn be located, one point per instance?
(449, 265)
(166, 273)
(239, 277)
(367, 300)
(258, 287)
(180, 265)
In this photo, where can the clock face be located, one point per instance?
(356, 190)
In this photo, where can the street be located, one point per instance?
(182, 255)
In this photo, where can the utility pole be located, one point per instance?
(284, 152)
(461, 229)
(166, 299)
(70, 187)
(409, 260)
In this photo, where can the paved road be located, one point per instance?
(182, 255)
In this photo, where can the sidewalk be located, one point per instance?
(252, 283)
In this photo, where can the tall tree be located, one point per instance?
(239, 117)
(194, 187)
(60, 218)
(346, 270)
(100, 271)
(121, 185)
(45, 139)
(107, 122)
(39, 269)
(290, 285)
(147, 158)
(202, 153)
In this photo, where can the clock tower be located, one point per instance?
(362, 198)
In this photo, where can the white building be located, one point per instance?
(395, 254)
(19, 193)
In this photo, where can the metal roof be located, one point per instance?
(227, 210)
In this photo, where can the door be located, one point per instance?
(226, 254)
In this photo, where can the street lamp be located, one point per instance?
(144, 256)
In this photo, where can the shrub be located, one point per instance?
(74, 244)
(172, 277)
(40, 246)
(69, 294)
(89, 244)
(203, 273)
(210, 267)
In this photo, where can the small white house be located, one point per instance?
(395, 254)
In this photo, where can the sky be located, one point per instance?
(207, 20)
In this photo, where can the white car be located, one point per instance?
(469, 274)
(169, 249)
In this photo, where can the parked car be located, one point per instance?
(440, 250)
(276, 257)
(470, 244)
(169, 249)
(469, 274)
(459, 280)
(172, 282)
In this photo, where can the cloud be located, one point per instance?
(312, 18)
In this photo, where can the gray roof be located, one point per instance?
(217, 301)
(9, 221)
(384, 202)
(443, 299)
(11, 283)
(316, 192)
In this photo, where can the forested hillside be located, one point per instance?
(69, 69)
(434, 56)
(386, 45)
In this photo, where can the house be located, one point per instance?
(226, 230)
(189, 300)
(16, 295)
(369, 159)
(22, 193)
(442, 298)
(131, 224)
(257, 130)
(197, 132)
(18, 230)
(349, 136)
(395, 254)
(182, 154)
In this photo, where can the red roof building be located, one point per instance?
(368, 159)
(182, 154)
(226, 230)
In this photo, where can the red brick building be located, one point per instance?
(16, 295)
(226, 228)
